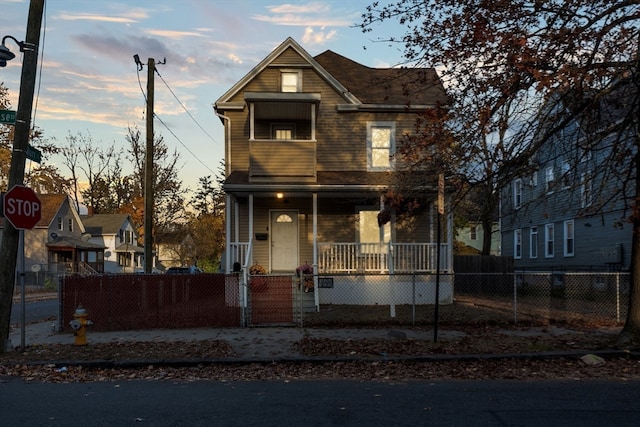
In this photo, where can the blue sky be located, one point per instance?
(90, 84)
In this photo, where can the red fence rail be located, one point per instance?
(137, 301)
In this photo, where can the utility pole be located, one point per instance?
(10, 235)
(148, 172)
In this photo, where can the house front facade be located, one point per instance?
(117, 234)
(309, 151)
(59, 243)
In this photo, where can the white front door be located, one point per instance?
(284, 241)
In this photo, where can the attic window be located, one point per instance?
(290, 81)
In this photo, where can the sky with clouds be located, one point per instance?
(89, 82)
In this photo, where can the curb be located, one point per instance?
(187, 363)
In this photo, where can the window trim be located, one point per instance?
(60, 224)
(517, 193)
(283, 126)
(549, 240)
(549, 179)
(291, 72)
(569, 249)
(586, 182)
(517, 243)
(533, 242)
(370, 149)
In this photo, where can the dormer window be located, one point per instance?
(290, 81)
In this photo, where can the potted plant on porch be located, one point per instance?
(304, 274)
(257, 283)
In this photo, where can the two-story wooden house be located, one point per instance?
(309, 151)
(117, 234)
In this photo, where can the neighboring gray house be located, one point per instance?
(569, 213)
(117, 233)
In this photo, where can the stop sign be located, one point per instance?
(22, 207)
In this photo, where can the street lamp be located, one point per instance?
(7, 55)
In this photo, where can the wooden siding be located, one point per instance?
(288, 160)
(596, 236)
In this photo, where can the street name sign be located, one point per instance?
(7, 117)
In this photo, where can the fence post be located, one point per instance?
(515, 299)
(617, 297)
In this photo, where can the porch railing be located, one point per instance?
(368, 257)
(374, 257)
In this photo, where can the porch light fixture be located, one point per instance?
(279, 196)
(7, 55)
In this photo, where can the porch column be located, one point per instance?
(236, 224)
(316, 293)
(227, 249)
(250, 250)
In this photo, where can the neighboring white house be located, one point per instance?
(117, 233)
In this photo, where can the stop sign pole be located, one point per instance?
(22, 208)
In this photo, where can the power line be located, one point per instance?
(185, 108)
(183, 144)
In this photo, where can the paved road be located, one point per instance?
(321, 403)
(35, 311)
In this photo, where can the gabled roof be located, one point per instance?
(360, 86)
(51, 204)
(289, 43)
(104, 224)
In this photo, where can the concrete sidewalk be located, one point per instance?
(260, 343)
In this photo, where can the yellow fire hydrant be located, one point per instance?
(79, 325)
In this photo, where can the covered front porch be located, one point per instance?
(333, 232)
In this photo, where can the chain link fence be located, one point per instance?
(588, 299)
(214, 300)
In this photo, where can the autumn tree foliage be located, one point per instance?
(506, 62)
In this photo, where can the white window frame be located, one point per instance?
(586, 189)
(533, 180)
(70, 224)
(533, 242)
(60, 223)
(517, 193)
(365, 236)
(473, 232)
(276, 127)
(569, 238)
(390, 148)
(566, 175)
(288, 86)
(548, 179)
(517, 244)
(549, 243)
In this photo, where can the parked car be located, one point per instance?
(184, 270)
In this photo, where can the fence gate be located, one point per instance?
(271, 300)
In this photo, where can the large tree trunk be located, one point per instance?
(630, 334)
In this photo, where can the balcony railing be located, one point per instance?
(282, 159)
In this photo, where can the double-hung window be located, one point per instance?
(548, 179)
(517, 193)
(549, 232)
(290, 81)
(533, 242)
(569, 247)
(586, 189)
(517, 244)
(380, 145)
